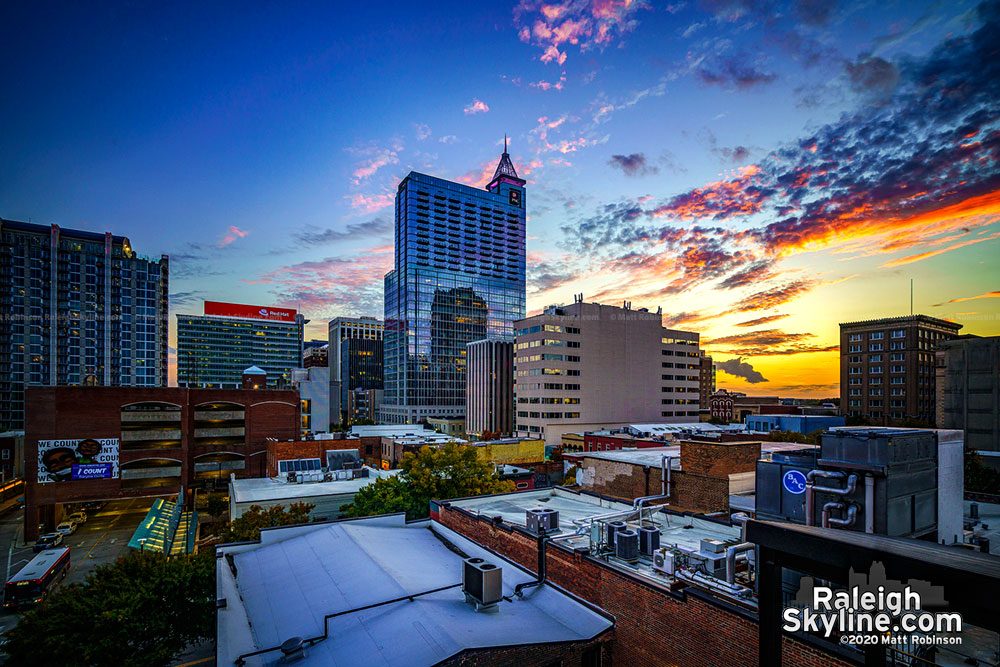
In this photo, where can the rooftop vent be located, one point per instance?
(482, 583)
(292, 649)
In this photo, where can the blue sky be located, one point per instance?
(680, 154)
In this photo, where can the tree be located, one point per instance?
(449, 471)
(143, 609)
(858, 420)
(216, 505)
(247, 527)
(979, 478)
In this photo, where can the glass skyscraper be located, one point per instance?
(77, 307)
(458, 278)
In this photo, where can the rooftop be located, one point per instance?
(263, 489)
(393, 431)
(283, 588)
(904, 319)
(651, 455)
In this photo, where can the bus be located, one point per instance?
(37, 578)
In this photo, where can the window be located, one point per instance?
(898, 369)
(898, 380)
(572, 372)
(855, 338)
(896, 345)
(898, 333)
(572, 358)
(875, 347)
(875, 359)
(898, 391)
(855, 348)
(897, 356)
(298, 465)
(875, 370)
(876, 335)
(855, 370)
(572, 343)
(875, 380)
(572, 330)
(855, 392)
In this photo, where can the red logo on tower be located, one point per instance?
(221, 309)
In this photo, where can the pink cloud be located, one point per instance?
(583, 23)
(370, 203)
(374, 158)
(231, 235)
(476, 106)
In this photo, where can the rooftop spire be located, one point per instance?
(505, 170)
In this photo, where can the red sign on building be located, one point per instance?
(221, 309)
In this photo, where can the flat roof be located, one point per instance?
(650, 456)
(284, 589)
(267, 488)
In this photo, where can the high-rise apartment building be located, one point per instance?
(968, 392)
(706, 381)
(588, 366)
(349, 328)
(887, 367)
(77, 308)
(458, 278)
(214, 349)
(489, 398)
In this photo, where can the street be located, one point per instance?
(100, 540)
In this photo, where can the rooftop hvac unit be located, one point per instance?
(663, 561)
(613, 528)
(627, 545)
(482, 583)
(712, 546)
(649, 540)
(542, 520)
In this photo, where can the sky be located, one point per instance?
(760, 171)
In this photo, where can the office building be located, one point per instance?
(887, 367)
(315, 354)
(350, 328)
(706, 382)
(968, 392)
(78, 307)
(314, 398)
(362, 405)
(214, 349)
(361, 362)
(588, 366)
(458, 278)
(142, 441)
(489, 391)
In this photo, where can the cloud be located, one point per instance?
(185, 298)
(476, 106)
(740, 369)
(767, 342)
(345, 284)
(776, 296)
(550, 85)
(872, 75)
(815, 12)
(587, 24)
(373, 157)
(231, 235)
(755, 272)
(313, 236)
(633, 164)
(738, 154)
(735, 73)
(365, 204)
(448, 139)
(767, 319)
(988, 295)
(422, 131)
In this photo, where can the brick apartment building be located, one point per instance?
(734, 406)
(887, 367)
(100, 443)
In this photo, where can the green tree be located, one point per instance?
(449, 471)
(216, 505)
(143, 609)
(247, 527)
(980, 478)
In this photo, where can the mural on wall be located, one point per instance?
(88, 458)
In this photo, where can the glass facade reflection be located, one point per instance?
(458, 277)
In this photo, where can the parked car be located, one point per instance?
(78, 517)
(66, 528)
(48, 541)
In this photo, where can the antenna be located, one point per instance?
(911, 297)
(505, 143)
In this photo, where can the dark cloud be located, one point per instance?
(738, 154)
(185, 298)
(767, 342)
(633, 164)
(815, 12)
(755, 272)
(872, 75)
(735, 72)
(774, 297)
(354, 231)
(740, 369)
(767, 319)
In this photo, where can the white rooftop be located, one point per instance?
(650, 456)
(394, 431)
(267, 488)
(284, 589)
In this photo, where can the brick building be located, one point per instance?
(369, 450)
(99, 443)
(887, 369)
(734, 406)
(660, 620)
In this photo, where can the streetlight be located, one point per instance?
(142, 543)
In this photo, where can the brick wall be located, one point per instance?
(719, 459)
(699, 493)
(311, 449)
(654, 626)
(568, 654)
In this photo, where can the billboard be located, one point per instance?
(87, 458)
(221, 309)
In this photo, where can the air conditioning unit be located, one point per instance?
(663, 561)
(613, 527)
(627, 545)
(482, 583)
(649, 540)
(542, 520)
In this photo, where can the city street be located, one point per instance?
(100, 540)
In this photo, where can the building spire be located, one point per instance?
(505, 170)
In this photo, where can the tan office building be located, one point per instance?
(887, 367)
(588, 366)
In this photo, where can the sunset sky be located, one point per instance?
(762, 171)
